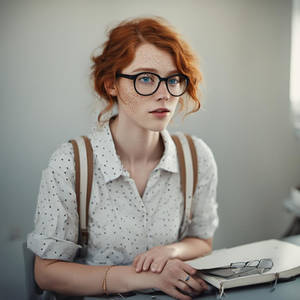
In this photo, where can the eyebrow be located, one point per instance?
(153, 70)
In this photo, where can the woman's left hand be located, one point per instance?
(154, 260)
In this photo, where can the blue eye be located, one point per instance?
(146, 79)
(173, 81)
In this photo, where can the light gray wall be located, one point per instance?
(46, 99)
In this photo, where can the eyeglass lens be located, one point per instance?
(263, 263)
(238, 265)
(252, 263)
(266, 263)
(147, 83)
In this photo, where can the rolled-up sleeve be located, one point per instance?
(55, 232)
(204, 207)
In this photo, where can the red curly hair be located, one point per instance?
(119, 50)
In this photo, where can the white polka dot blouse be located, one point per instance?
(122, 224)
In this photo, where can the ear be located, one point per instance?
(110, 87)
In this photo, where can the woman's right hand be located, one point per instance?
(179, 280)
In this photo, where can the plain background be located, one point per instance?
(46, 99)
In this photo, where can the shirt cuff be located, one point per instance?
(51, 247)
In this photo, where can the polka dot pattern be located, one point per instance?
(122, 224)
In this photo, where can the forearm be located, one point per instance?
(77, 279)
(191, 247)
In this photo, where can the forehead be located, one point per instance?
(148, 56)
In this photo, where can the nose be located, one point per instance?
(162, 92)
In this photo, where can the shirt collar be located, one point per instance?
(106, 155)
(169, 160)
(110, 162)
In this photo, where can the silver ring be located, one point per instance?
(187, 278)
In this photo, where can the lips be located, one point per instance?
(160, 110)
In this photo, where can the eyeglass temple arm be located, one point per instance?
(126, 76)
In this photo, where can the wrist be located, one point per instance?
(133, 281)
(172, 250)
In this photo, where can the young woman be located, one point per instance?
(136, 205)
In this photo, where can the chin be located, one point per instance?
(155, 125)
(158, 127)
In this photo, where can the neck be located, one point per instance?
(136, 145)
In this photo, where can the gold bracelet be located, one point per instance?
(104, 285)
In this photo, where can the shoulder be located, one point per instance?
(63, 156)
(204, 153)
(62, 160)
(62, 152)
(207, 166)
(205, 157)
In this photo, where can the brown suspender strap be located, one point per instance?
(195, 165)
(181, 167)
(194, 159)
(83, 234)
(77, 173)
(89, 154)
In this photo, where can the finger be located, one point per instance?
(182, 286)
(202, 282)
(140, 263)
(178, 295)
(158, 265)
(147, 262)
(195, 285)
(188, 269)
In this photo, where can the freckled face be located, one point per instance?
(136, 108)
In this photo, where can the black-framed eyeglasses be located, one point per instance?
(240, 269)
(264, 263)
(147, 83)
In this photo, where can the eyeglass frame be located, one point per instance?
(165, 79)
(239, 269)
(246, 264)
